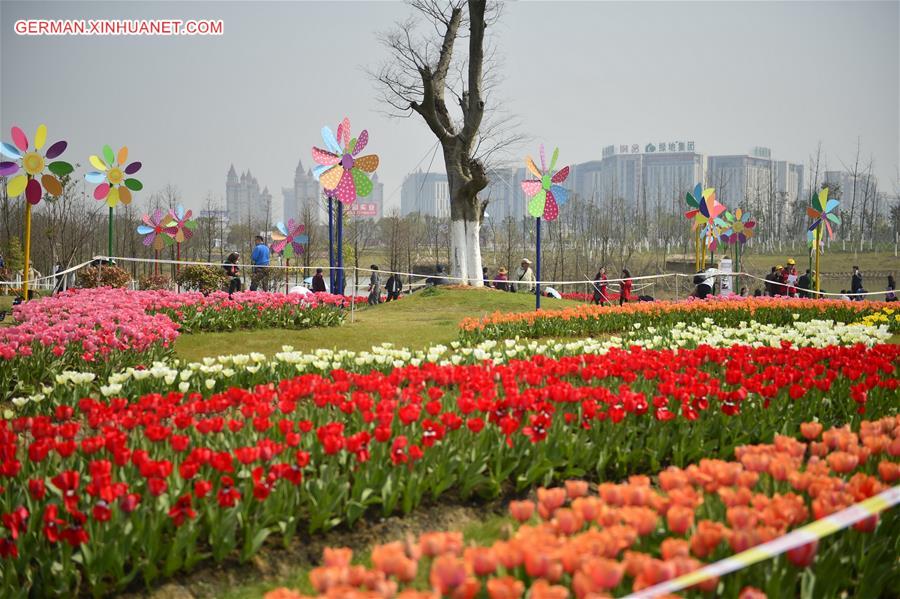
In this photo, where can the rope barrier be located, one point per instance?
(611, 282)
(797, 538)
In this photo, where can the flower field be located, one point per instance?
(104, 330)
(615, 538)
(128, 466)
(599, 320)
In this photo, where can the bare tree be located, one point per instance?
(420, 73)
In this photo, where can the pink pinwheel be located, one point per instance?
(289, 239)
(154, 229)
(545, 193)
(182, 226)
(32, 182)
(340, 171)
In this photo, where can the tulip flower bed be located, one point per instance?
(105, 330)
(101, 493)
(600, 320)
(617, 538)
(249, 370)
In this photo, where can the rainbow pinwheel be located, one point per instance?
(739, 227)
(821, 210)
(544, 193)
(32, 182)
(181, 226)
(155, 228)
(289, 239)
(339, 170)
(704, 206)
(110, 177)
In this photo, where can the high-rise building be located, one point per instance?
(633, 173)
(425, 193)
(751, 180)
(304, 202)
(244, 201)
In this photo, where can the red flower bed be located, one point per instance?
(116, 490)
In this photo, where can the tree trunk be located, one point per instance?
(465, 178)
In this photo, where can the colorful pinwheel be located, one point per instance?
(155, 229)
(544, 193)
(110, 177)
(821, 210)
(182, 226)
(739, 227)
(289, 239)
(32, 182)
(339, 170)
(704, 206)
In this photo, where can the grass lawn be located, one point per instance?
(416, 321)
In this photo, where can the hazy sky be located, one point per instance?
(580, 75)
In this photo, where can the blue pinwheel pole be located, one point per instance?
(340, 248)
(331, 278)
(537, 274)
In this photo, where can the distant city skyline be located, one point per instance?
(728, 75)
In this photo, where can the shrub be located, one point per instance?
(204, 279)
(103, 276)
(149, 282)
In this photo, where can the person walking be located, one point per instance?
(856, 284)
(57, 278)
(600, 286)
(770, 281)
(233, 272)
(525, 277)
(625, 287)
(704, 281)
(891, 296)
(393, 287)
(318, 282)
(804, 285)
(501, 280)
(260, 260)
(374, 286)
(789, 278)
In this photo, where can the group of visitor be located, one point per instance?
(523, 279)
(601, 286)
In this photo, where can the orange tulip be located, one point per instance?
(740, 517)
(482, 560)
(509, 554)
(587, 507)
(672, 547)
(521, 510)
(505, 587)
(448, 572)
(549, 500)
(567, 521)
(706, 538)
(336, 557)
(888, 471)
(751, 593)
(544, 590)
(392, 561)
(605, 573)
(811, 430)
(680, 519)
(842, 461)
(576, 488)
(537, 562)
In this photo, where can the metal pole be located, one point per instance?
(110, 235)
(331, 279)
(27, 249)
(340, 247)
(818, 274)
(537, 282)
